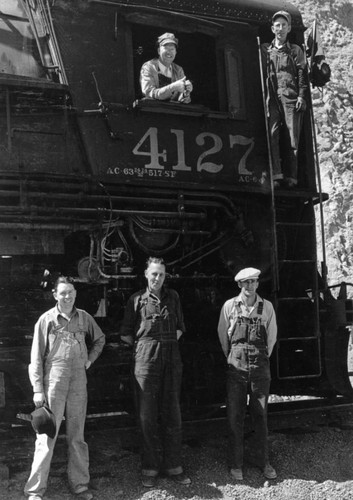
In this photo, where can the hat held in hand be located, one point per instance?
(43, 421)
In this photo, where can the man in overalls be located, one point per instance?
(161, 78)
(59, 360)
(153, 323)
(247, 330)
(287, 85)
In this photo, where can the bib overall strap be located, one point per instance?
(80, 320)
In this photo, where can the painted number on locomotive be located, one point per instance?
(148, 146)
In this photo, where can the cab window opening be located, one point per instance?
(196, 54)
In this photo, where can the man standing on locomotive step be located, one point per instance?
(153, 323)
(59, 360)
(247, 330)
(285, 66)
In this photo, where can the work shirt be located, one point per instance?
(164, 70)
(285, 67)
(151, 324)
(149, 317)
(229, 316)
(41, 345)
(150, 84)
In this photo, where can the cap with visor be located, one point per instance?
(167, 38)
(282, 13)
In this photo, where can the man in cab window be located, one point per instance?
(161, 78)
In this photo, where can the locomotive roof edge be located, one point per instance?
(253, 11)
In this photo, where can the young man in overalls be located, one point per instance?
(287, 86)
(247, 331)
(153, 323)
(59, 360)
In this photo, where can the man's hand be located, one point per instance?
(88, 364)
(300, 104)
(38, 399)
(179, 85)
(179, 334)
(127, 339)
(188, 86)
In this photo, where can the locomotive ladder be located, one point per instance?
(294, 271)
(297, 296)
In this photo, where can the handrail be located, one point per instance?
(273, 209)
(318, 177)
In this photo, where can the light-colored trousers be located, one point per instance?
(65, 385)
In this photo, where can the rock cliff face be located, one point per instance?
(333, 113)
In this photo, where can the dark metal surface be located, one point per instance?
(94, 179)
(258, 11)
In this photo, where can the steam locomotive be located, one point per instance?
(95, 178)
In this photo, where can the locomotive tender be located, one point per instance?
(94, 179)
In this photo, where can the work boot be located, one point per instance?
(148, 481)
(180, 479)
(237, 474)
(269, 472)
(84, 495)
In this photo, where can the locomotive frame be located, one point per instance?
(94, 179)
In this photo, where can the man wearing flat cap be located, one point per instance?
(285, 67)
(247, 330)
(161, 78)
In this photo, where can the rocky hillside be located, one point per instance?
(333, 112)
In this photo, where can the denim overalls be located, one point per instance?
(248, 373)
(157, 374)
(283, 94)
(65, 387)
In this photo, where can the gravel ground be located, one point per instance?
(312, 465)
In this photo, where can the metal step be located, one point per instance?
(307, 299)
(292, 261)
(295, 224)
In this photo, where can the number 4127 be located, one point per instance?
(202, 164)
